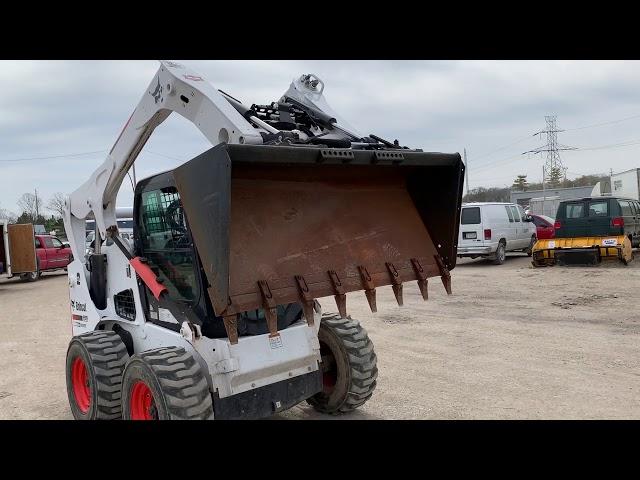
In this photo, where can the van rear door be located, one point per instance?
(471, 233)
(573, 219)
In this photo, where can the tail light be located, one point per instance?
(617, 222)
(557, 225)
(487, 234)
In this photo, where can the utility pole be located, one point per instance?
(552, 148)
(544, 195)
(466, 170)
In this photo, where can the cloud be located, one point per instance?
(58, 107)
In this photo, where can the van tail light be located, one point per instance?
(557, 225)
(617, 222)
(487, 234)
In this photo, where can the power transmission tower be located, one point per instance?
(552, 148)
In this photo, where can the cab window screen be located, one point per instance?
(470, 216)
(574, 210)
(599, 209)
(166, 242)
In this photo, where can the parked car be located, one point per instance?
(544, 226)
(490, 229)
(599, 216)
(51, 254)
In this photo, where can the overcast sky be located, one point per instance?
(51, 108)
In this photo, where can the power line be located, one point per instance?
(52, 156)
(81, 154)
(603, 123)
(503, 147)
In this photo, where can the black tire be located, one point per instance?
(176, 384)
(500, 254)
(104, 356)
(529, 249)
(349, 366)
(32, 276)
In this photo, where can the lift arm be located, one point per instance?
(174, 88)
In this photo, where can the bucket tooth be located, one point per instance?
(341, 303)
(397, 291)
(231, 327)
(272, 321)
(369, 288)
(371, 298)
(339, 295)
(423, 282)
(269, 306)
(396, 282)
(444, 274)
(307, 301)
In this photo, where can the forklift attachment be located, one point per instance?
(275, 225)
(581, 251)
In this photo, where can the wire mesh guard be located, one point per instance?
(166, 242)
(125, 305)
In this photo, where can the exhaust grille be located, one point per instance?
(125, 305)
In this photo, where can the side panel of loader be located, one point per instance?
(277, 225)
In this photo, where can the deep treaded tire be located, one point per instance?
(95, 362)
(348, 365)
(165, 384)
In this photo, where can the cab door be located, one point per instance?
(61, 255)
(517, 240)
(510, 231)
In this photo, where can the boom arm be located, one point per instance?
(174, 88)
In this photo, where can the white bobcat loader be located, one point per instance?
(210, 311)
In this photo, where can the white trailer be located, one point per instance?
(544, 206)
(626, 184)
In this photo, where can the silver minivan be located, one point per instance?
(490, 229)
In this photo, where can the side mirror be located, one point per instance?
(528, 218)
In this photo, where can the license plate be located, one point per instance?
(469, 235)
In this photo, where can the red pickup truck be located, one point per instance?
(51, 254)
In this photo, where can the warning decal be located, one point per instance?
(609, 242)
(275, 341)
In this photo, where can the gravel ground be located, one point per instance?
(512, 342)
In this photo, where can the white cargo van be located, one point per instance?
(490, 229)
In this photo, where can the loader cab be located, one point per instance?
(162, 235)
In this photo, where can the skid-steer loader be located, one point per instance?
(211, 310)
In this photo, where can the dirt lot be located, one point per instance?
(511, 342)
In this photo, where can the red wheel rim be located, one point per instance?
(329, 369)
(80, 383)
(142, 405)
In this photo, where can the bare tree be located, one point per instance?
(7, 215)
(56, 204)
(30, 206)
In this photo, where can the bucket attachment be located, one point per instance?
(581, 251)
(275, 225)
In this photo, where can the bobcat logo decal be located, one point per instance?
(157, 93)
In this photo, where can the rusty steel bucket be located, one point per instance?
(275, 225)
